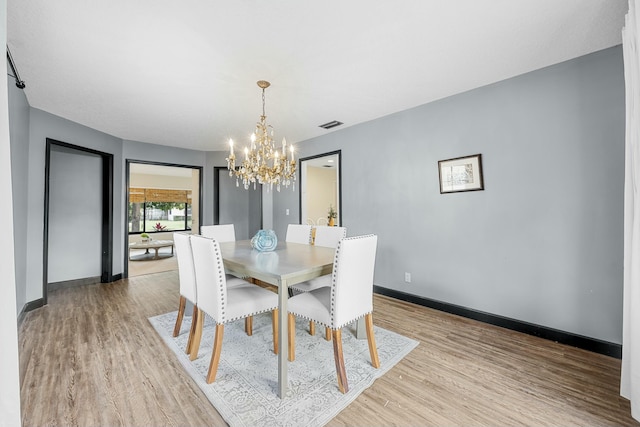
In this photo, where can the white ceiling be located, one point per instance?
(183, 73)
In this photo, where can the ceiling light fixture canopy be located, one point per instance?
(263, 163)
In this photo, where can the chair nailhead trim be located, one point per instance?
(334, 274)
(252, 314)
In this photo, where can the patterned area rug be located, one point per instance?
(245, 390)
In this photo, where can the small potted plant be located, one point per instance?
(144, 237)
(159, 227)
(331, 216)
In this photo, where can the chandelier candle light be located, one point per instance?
(262, 162)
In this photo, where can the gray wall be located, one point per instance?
(239, 206)
(19, 140)
(543, 242)
(255, 212)
(234, 205)
(75, 215)
(43, 125)
(29, 129)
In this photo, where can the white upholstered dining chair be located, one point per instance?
(224, 304)
(349, 298)
(328, 237)
(298, 233)
(187, 279)
(221, 232)
(188, 290)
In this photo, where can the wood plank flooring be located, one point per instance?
(91, 358)
(140, 268)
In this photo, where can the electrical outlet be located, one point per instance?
(287, 212)
(407, 277)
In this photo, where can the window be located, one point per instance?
(159, 210)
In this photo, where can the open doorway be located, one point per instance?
(78, 203)
(161, 199)
(320, 192)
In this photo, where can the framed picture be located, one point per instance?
(461, 174)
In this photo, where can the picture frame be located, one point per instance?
(461, 174)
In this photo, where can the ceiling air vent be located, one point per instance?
(331, 124)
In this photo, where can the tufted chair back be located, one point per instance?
(222, 233)
(329, 236)
(210, 277)
(298, 233)
(352, 279)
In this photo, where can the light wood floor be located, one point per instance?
(91, 358)
(140, 268)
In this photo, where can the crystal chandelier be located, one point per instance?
(263, 163)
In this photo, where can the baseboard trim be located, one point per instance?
(31, 305)
(574, 340)
(71, 283)
(86, 281)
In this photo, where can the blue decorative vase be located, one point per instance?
(264, 241)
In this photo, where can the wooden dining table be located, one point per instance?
(288, 264)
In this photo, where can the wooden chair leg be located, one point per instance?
(312, 327)
(291, 338)
(192, 330)
(274, 324)
(197, 336)
(215, 356)
(327, 334)
(373, 350)
(248, 325)
(181, 305)
(343, 385)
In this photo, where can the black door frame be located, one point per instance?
(106, 229)
(126, 202)
(330, 153)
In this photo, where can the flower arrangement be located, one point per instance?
(331, 216)
(159, 227)
(332, 213)
(144, 237)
